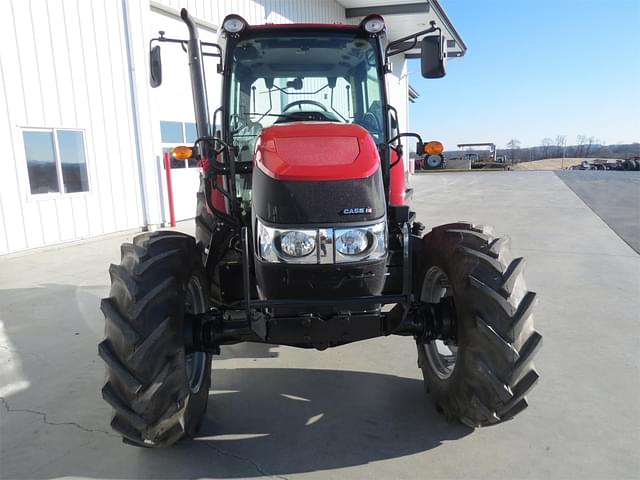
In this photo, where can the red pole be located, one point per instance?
(167, 169)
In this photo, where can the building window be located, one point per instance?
(173, 134)
(56, 161)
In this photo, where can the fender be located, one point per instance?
(216, 197)
(399, 195)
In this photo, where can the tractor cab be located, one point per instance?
(299, 73)
(284, 82)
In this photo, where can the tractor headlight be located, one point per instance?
(321, 246)
(298, 243)
(361, 243)
(352, 242)
(265, 243)
(286, 245)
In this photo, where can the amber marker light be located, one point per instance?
(182, 153)
(434, 148)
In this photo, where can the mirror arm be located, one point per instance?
(392, 49)
(409, 134)
(400, 150)
(162, 38)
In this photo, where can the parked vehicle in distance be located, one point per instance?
(483, 156)
(433, 158)
(629, 164)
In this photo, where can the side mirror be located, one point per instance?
(155, 67)
(433, 57)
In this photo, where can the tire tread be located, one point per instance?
(498, 371)
(143, 350)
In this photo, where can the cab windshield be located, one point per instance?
(328, 77)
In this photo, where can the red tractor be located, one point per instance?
(304, 238)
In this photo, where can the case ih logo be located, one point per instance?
(356, 211)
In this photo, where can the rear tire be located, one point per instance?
(496, 341)
(159, 394)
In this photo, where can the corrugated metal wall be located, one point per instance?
(63, 65)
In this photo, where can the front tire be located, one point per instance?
(158, 392)
(484, 376)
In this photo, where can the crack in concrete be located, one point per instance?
(54, 424)
(46, 421)
(244, 459)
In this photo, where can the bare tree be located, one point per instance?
(546, 144)
(590, 141)
(513, 145)
(561, 141)
(580, 141)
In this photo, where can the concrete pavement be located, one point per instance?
(357, 411)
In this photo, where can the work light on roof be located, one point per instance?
(234, 24)
(373, 24)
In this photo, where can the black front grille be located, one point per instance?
(317, 203)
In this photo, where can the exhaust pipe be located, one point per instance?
(196, 68)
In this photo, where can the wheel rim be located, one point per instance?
(441, 355)
(195, 362)
(433, 160)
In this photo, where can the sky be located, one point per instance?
(535, 69)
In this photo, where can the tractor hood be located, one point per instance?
(317, 173)
(316, 151)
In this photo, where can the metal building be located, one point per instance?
(83, 134)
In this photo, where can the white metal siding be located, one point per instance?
(263, 11)
(63, 65)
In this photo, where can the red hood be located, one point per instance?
(316, 151)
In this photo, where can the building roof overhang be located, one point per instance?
(404, 17)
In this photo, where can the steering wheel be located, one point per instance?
(370, 122)
(299, 103)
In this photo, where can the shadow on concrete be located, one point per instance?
(613, 196)
(247, 350)
(260, 421)
(269, 421)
